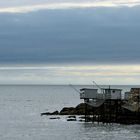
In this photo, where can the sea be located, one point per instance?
(20, 119)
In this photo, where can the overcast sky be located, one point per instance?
(41, 40)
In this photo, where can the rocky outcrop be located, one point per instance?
(67, 111)
(109, 112)
(78, 110)
(50, 113)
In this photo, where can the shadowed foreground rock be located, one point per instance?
(78, 110)
(102, 114)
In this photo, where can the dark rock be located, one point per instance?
(71, 118)
(50, 113)
(80, 109)
(109, 112)
(68, 111)
(81, 120)
(55, 118)
(55, 113)
(46, 113)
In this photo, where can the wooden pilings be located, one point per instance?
(111, 111)
(86, 113)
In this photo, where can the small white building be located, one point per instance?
(95, 99)
(87, 93)
(113, 94)
(106, 93)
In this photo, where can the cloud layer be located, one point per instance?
(75, 74)
(24, 6)
(102, 35)
(71, 36)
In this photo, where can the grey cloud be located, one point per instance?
(99, 35)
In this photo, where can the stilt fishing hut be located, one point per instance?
(102, 101)
(108, 106)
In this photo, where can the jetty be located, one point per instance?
(105, 105)
(108, 105)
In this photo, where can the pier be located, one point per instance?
(108, 106)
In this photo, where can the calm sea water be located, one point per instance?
(20, 108)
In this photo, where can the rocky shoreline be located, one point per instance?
(78, 110)
(98, 114)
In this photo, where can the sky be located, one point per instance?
(69, 41)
